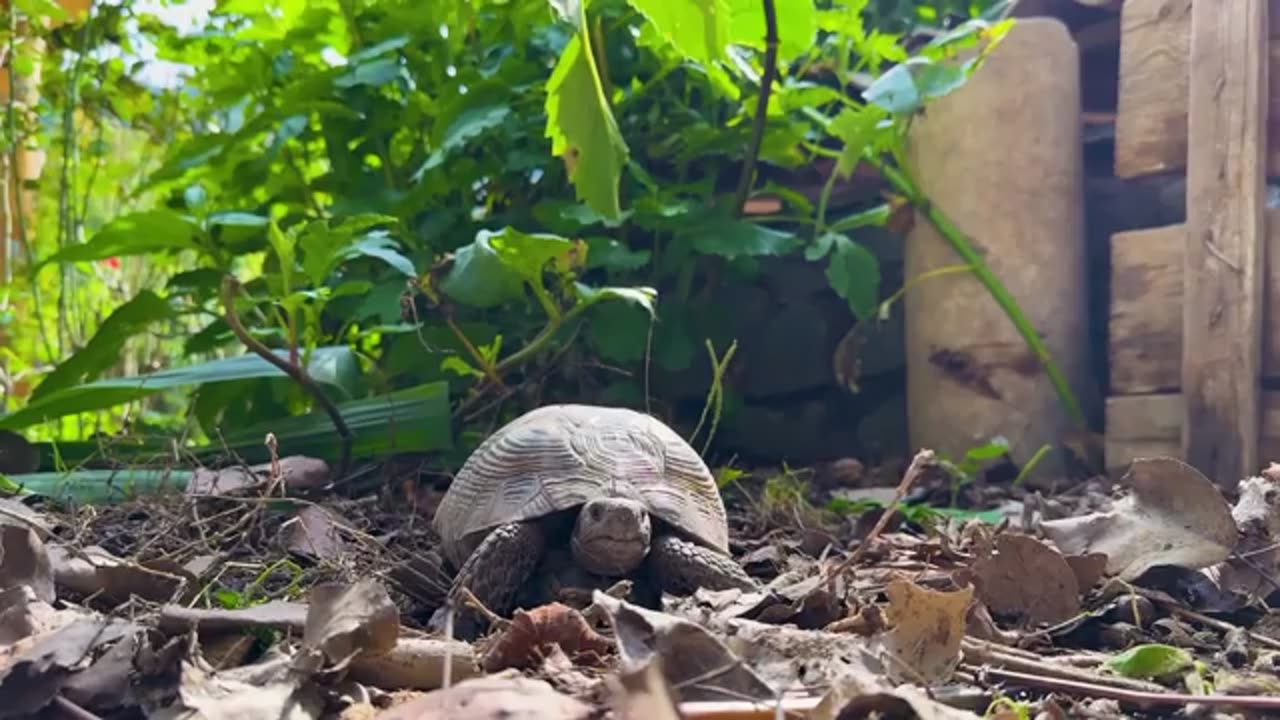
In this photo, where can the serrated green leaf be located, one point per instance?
(469, 124)
(858, 130)
(1146, 662)
(142, 233)
(738, 238)
(579, 121)
(697, 29)
(103, 349)
(854, 274)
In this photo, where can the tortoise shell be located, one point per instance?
(558, 457)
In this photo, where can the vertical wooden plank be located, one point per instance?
(1223, 264)
(1151, 112)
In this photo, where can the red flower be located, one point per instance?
(113, 263)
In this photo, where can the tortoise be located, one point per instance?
(626, 493)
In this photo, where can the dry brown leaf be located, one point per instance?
(416, 663)
(923, 643)
(255, 693)
(104, 686)
(346, 620)
(94, 571)
(24, 562)
(532, 634)
(505, 696)
(314, 533)
(1257, 514)
(643, 694)
(273, 615)
(16, 512)
(297, 472)
(1026, 578)
(1173, 516)
(36, 675)
(694, 661)
(1089, 569)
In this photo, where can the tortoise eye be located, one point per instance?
(596, 512)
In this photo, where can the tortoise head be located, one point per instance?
(611, 536)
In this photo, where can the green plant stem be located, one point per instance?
(762, 107)
(960, 243)
(486, 367)
(229, 287)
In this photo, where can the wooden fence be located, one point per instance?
(1193, 337)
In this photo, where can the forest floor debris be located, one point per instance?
(267, 597)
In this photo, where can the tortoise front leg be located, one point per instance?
(681, 567)
(494, 574)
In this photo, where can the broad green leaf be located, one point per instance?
(797, 24)
(373, 73)
(1145, 662)
(285, 246)
(618, 332)
(103, 487)
(820, 247)
(413, 420)
(103, 349)
(738, 238)
(142, 233)
(583, 130)
(906, 87)
(332, 366)
(854, 273)
(527, 254)
(642, 296)
(858, 130)
(479, 277)
(379, 245)
(469, 124)
(607, 253)
(698, 29)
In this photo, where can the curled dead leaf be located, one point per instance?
(923, 644)
(532, 634)
(346, 620)
(1173, 516)
(24, 562)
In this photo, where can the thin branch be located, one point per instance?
(229, 286)
(762, 106)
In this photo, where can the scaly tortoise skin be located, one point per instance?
(611, 472)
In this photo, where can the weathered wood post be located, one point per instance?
(1002, 158)
(1226, 237)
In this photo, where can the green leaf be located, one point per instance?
(618, 332)
(607, 253)
(469, 124)
(412, 420)
(525, 253)
(143, 233)
(906, 87)
(333, 366)
(1151, 661)
(579, 121)
(378, 244)
(373, 73)
(697, 29)
(103, 349)
(797, 24)
(858, 130)
(854, 273)
(738, 238)
(641, 296)
(479, 277)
